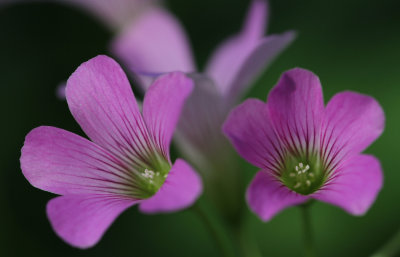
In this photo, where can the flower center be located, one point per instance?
(303, 175)
(150, 178)
(154, 180)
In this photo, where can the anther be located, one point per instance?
(308, 182)
(298, 184)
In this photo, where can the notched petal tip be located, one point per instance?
(179, 79)
(298, 78)
(96, 64)
(33, 140)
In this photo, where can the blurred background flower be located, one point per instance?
(155, 43)
(351, 45)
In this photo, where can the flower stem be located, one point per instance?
(391, 248)
(308, 235)
(216, 229)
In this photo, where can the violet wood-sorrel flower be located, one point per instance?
(305, 150)
(126, 162)
(156, 43)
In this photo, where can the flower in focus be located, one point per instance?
(305, 150)
(126, 162)
(156, 43)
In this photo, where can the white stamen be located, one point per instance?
(301, 168)
(298, 184)
(148, 174)
(311, 174)
(308, 182)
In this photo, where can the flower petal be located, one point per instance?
(260, 57)
(249, 129)
(154, 43)
(101, 100)
(355, 185)
(199, 134)
(62, 162)
(82, 220)
(296, 106)
(240, 59)
(162, 107)
(227, 59)
(267, 196)
(180, 190)
(351, 122)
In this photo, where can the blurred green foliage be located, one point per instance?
(351, 45)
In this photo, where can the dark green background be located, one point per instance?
(351, 45)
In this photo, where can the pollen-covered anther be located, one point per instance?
(298, 184)
(301, 169)
(148, 174)
(308, 182)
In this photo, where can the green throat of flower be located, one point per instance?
(303, 175)
(152, 177)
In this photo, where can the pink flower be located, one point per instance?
(126, 162)
(306, 150)
(156, 43)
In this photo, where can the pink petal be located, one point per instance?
(267, 196)
(180, 190)
(255, 22)
(355, 185)
(249, 129)
(296, 106)
(260, 57)
(61, 162)
(228, 58)
(82, 220)
(199, 134)
(154, 43)
(162, 106)
(101, 100)
(240, 59)
(351, 122)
